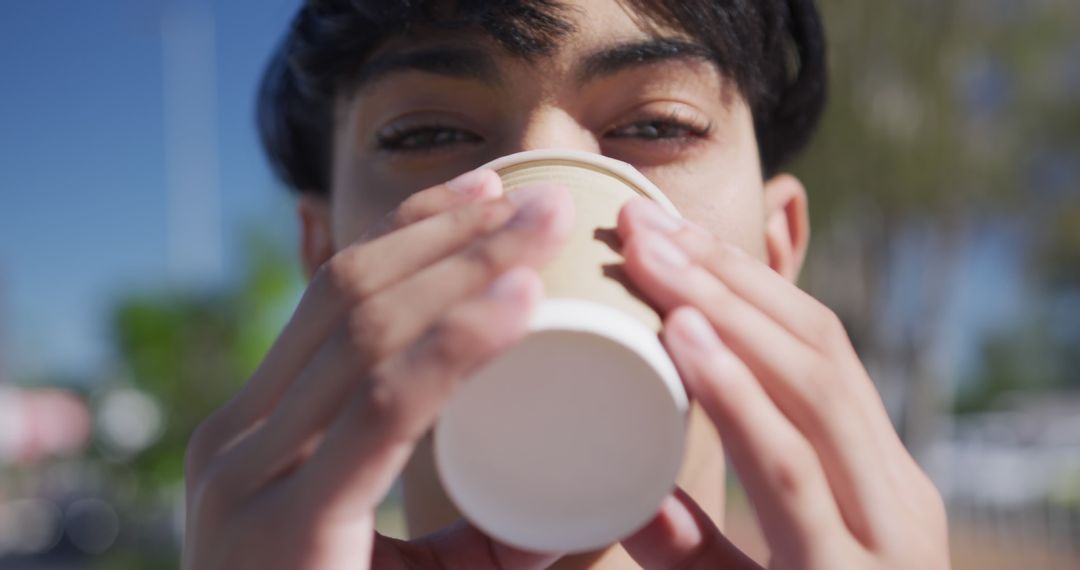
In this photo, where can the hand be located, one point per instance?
(831, 482)
(288, 474)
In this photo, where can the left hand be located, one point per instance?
(830, 480)
(289, 473)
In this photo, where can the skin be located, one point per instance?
(413, 289)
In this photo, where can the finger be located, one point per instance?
(754, 281)
(368, 268)
(782, 474)
(389, 321)
(355, 273)
(683, 536)
(475, 185)
(665, 274)
(372, 438)
(779, 299)
(812, 390)
(532, 237)
(459, 546)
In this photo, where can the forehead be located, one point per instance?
(585, 41)
(534, 29)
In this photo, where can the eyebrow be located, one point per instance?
(448, 61)
(480, 65)
(624, 56)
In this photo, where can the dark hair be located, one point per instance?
(773, 50)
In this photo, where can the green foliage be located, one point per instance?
(939, 106)
(132, 559)
(1060, 246)
(1016, 361)
(193, 350)
(1026, 359)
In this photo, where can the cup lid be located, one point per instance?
(591, 160)
(569, 441)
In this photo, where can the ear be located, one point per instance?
(316, 234)
(787, 225)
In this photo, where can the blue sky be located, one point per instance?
(82, 140)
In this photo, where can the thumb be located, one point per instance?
(464, 546)
(682, 536)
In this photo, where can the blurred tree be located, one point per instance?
(941, 116)
(1023, 359)
(189, 351)
(1060, 247)
(192, 350)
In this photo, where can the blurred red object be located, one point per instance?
(37, 424)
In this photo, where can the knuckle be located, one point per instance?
(369, 330)
(824, 402)
(415, 208)
(723, 257)
(826, 393)
(486, 259)
(492, 214)
(447, 343)
(458, 343)
(829, 329)
(721, 299)
(449, 348)
(787, 472)
(727, 396)
(405, 214)
(385, 409)
(344, 275)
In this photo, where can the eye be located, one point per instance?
(672, 127)
(419, 138)
(652, 130)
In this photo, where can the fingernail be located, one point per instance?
(698, 331)
(663, 252)
(651, 216)
(534, 205)
(480, 182)
(511, 286)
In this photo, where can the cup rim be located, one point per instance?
(619, 169)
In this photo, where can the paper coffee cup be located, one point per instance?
(569, 441)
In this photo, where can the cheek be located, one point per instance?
(731, 207)
(367, 190)
(360, 198)
(363, 188)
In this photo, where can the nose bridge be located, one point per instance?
(547, 127)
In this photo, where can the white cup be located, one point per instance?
(569, 441)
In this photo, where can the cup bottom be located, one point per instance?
(569, 441)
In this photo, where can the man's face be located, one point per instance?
(675, 118)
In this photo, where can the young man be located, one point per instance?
(370, 105)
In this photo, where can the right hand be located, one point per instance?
(288, 473)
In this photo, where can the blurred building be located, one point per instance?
(39, 424)
(1011, 481)
(1027, 454)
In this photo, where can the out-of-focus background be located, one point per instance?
(146, 259)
